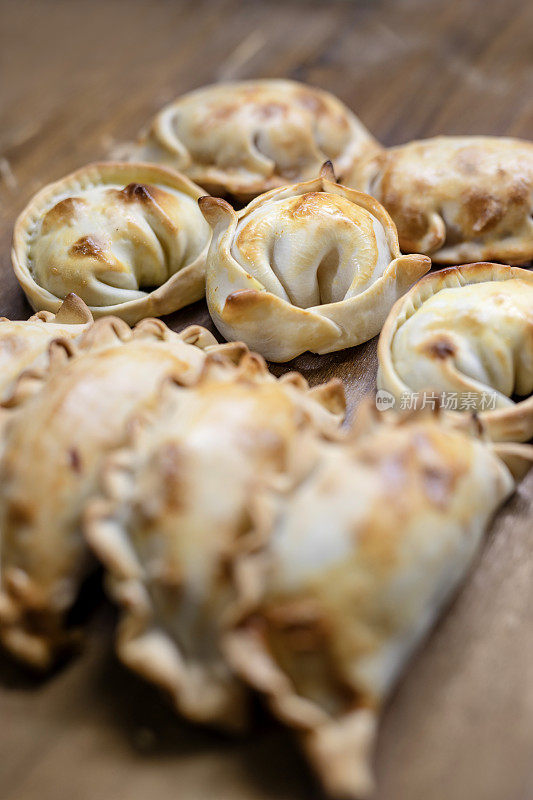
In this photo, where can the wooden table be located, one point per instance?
(77, 77)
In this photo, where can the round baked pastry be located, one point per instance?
(464, 336)
(456, 198)
(361, 557)
(179, 499)
(24, 343)
(247, 137)
(126, 238)
(53, 445)
(315, 266)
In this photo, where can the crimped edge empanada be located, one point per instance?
(184, 287)
(143, 643)
(33, 634)
(242, 308)
(513, 424)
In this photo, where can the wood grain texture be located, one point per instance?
(77, 77)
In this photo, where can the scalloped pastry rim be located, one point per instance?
(165, 298)
(513, 424)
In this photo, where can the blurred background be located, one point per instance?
(78, 77)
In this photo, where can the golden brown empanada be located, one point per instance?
(362, 554)
(315, 266)
(247, 137)
(180, 499)
(464, 335)
(129, 239)
(24, 343)
(456, 198)
(52, 448)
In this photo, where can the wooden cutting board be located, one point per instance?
(75, 78)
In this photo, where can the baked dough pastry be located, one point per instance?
(179, 500)
(361, 557)
(52, 448)
(315, 266)
(465, 336)
(24, 343)
(456, 198)
(127, 238)
(247, 137)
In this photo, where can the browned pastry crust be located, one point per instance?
(361, 555)
(312, 574)
(62, 421)
(312, 266)
(465, 334)
(128, 238)
(178, 501)
(247, 137)
(456, 198)
(24, 343)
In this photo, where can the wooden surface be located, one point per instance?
(76, 77)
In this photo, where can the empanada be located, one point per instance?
(24, 343)
(180, 499)
(315, 266)
(247, 137)
(456, 198)
(361, 557)
(464, 337)
(52, 448)
(129, 239)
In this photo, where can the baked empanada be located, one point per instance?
(129, 239)
(180, 499)
(247, 137)
(52, 448)
(361, 557)
(456, 198)
(24, 343)
(315, 266)
(464, 336)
